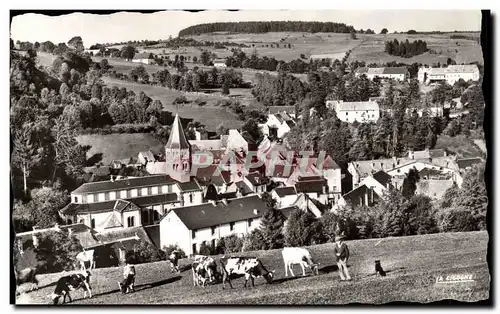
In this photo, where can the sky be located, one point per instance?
(124, 26)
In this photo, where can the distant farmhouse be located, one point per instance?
(220, 63)
(397, 73)
(143, 57)
(360, 111)
(450, 74)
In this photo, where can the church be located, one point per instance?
(139, 201)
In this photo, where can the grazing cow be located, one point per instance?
(301, 256)
(173, 258)
(204, 268)
(27, 275)
(86, 257)
(69, 283)
(251, 267)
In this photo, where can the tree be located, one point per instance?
(77, 43)
(272, 224)
(384, 31)
(221, 129)
(104, 64)
(127, 52)
(353, 35)
(412, 32)
(26, 154)
(46, 203)
(226, 85)
(410, 183)
(205, 58)
(68, 153)
(301, 228)
(56, 252)
(254, 241)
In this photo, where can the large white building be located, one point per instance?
(450, 74)
(397, 73)
(143, 57)
(189, 227)
(361, 111)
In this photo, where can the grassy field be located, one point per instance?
(118, 146)
(210, 115)
(412, 265)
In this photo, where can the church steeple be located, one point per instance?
(177, 139)
(178, 153)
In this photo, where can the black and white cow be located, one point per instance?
(251, 267)
(173, 258)
(204, 269)
(27, 275)
(70, 283)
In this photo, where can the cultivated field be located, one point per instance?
(209, 115)
(118, 146)
(368, 48)
(412, 265)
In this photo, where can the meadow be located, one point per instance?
(412, 264)
(118, 146)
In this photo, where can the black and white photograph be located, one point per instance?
(250, 157)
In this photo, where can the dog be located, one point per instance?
(70, 283)
(379, 271)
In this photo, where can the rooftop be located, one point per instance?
(177, 138)
(233, 210)
(127, 183)
(285, 191)
(355, 105)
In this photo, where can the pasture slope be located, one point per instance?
(412, 264)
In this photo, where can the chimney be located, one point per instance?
(255, 211)
(324, 189)
(410, 154)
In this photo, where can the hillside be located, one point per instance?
(412, 264)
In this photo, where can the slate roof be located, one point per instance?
(287, 211)
(382, 177)
(286, 190)
(255, 178)
(277, 109)
(189, 186)
(311, 186)
(153, 232)
(206, 145)
(208, 215)
(357, 106)
(177, 138)
(148, 155)
(468, 162)
(328, 163)
(119, 205)
(116, 235)
(395, 70)
(385, 70)
(127, 183)
(143, 55)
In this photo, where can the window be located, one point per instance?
(69, 222)
(191, 198)
(92, 223)
(193, 234)
(213, 230)
(346, 113)
(130, 221)
(106, 196)
(250, 222)
(146, 191)
(82, 221)
(150, 190)
(231, 226)
(76, 199)
(194, 248)
(123, 194)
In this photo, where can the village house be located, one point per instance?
(370, 189)
(451, 74)
(277, 125)
(361, 111)
(189, 227)
(144, 57)
(397, 73)
(434, 183)
(289, 110)
(220, 63)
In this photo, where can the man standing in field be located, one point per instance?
(128, 282)
(342, 255)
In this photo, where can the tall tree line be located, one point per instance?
(265, 27)
(405, 49)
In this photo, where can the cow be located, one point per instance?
(27, 275)
(301, 256)
(70, 283)
(251, 267)
(204, 268)
(87, 256)
(173, 258)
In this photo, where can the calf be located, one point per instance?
(70, 283)
(251, 267)
(173, 258)
(86, 257)
(27, 275)
(204, 267)
(301, 256)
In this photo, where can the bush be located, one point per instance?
(456, 220)
(144, 252)
(181, 100)
(302, 229)
(330, 223)
(206, 249)
(200, 103)
(170, 248)
(254, 241)
(233, 244)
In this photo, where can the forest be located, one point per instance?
(265, 27)
(406, 49)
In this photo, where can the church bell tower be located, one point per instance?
(178, 153)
